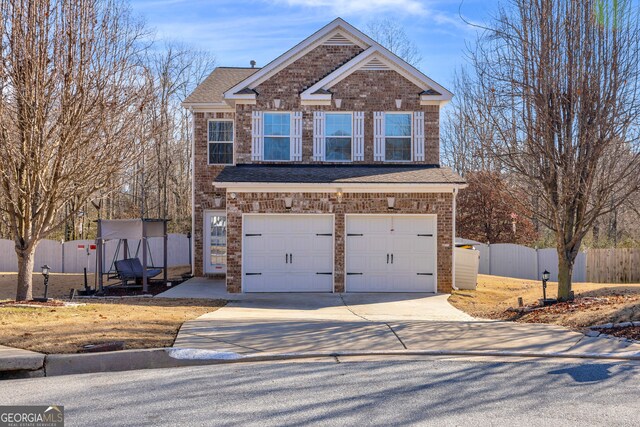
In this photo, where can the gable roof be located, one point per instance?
(377, 58)
(339, 32)
(211, 90)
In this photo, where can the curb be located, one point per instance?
(127, 360)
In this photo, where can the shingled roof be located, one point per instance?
(347, 174)
(212, 88)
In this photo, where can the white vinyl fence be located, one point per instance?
(67, 258)
(510, 260)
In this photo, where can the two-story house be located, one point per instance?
(320, 172)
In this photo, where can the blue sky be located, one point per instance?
(236, 31)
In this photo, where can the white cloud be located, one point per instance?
(346, 7)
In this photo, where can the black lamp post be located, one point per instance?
(545, 278)
(45, 273)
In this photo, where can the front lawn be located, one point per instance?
(596, 303)
(138, 322)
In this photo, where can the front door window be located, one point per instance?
(216, 242)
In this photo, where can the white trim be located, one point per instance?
(333, 246)
(453, 244)
(435, 237)
(418, 136)
(358, 136)
(382, 55)
(324, 139)
(257, 137)
(264, 135)
(295, 141)
(316, 39)
(378, 136)
(207, 236)
(193, 194)
(384, 137)
(232, 142)
(275, 187)
(318, 135)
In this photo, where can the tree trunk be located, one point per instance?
(26, 258)
(565, 270)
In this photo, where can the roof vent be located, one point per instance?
(338, 40)
(375, 65)
(253, 63)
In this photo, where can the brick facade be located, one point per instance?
(367, 91)
(440, 204)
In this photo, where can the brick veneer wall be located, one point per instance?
(370, 203)
(205, 193)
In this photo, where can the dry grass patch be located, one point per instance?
(139, 322)
(596, 303)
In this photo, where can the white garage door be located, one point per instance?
(287, 253)
(391, 253)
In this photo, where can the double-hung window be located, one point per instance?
(397, 132)
(220, 142)
(338, 136)
(277, 136)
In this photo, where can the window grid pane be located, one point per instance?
(277, 124)
(397, 124)
(398, 149)
(220, 131)
(338, 149)
(221, 153)
(338, 125)
(276, 148)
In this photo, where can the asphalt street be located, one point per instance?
(351, 392)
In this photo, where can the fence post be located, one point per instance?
(62, 250)
(537, 264)
(489, 256)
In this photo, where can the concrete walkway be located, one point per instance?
(255, 323)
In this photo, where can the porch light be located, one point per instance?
(339, 195)
(398, 103)
(233, 195)
(276, 103)
(391, 202)
(546, 275)
(288, 201)
(338, 102)
(546, 301)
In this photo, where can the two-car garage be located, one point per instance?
(296, 253)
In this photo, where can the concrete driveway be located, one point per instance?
(254, 323)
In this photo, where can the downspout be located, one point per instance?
(453, 249)
(193, 191)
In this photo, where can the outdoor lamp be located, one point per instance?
(545, 277)
(45, 273)
(339, 195)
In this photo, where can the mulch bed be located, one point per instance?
(632, 332)
(154, 289)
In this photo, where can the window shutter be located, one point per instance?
(257, 138)
(296, 136)
(318, 136)
(378, 136)
(358, 136)
(418, 136)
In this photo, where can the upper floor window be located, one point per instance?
(220, 142)
(338, 136)
(277, 136)
(397, 132)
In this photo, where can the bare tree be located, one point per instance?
(71, 92)
(558, 81)
(392, 35)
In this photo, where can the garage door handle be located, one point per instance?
(324, 234)
(253, 235)
(424, 274)
(355, 274)
(425, 235)
(387, 258)
(327, 274)
(286, 258)
(253, 274)
(391, 258)
(354, 234)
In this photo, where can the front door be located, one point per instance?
(215, 242)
